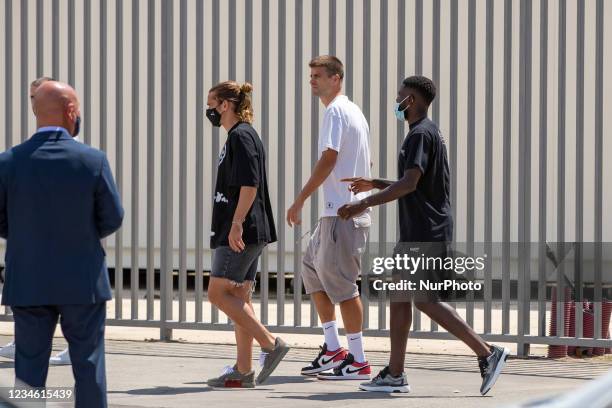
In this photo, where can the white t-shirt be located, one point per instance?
(345, 130)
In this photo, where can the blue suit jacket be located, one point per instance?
(57, 200)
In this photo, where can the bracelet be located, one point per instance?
(238, 222)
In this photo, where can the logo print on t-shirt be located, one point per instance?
(220, 198)
(222, 154)
(330, 204)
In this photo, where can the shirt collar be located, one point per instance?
(61, 132)
(411, 126)
(51, 129)
(340, 96)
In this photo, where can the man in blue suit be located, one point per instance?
(58, 199)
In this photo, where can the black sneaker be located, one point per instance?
(490, 367)
(326, 360)
(385, 382)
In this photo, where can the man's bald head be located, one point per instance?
(36, 83)
(56, 104)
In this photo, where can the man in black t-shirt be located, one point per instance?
(242, 225)
(242, 163)
(426, 228)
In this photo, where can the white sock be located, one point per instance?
(355, 345)
(332, 339)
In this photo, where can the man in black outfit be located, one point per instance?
(423, 194)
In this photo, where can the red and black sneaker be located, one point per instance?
(326, 360)
(348, 370)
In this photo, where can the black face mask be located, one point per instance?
(77, 126)
(213, 116)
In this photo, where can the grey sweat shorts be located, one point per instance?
(332, 262)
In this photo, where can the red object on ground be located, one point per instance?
(588, 329)
(571, 350)
(559, 351)
(606, 311)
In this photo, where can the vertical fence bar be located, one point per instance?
(561, 164)
(418, 57)
(71, 45)
(183, 164)
(135, 268)
(314, 129)
(521, 176)
(199, 187)
(265, 135)
(488, 235)
(214, 312)
(119, 153)
(418, 38)
(232, 41)
(453, 97)
(280, 255)
(471, 153)
(8, 77)
(297, 177)
(103, 75)
(507, 172)
(578, 256)
(86, 70)
(40, 33)
(452, 126)
(382, 156)
(151, 165)
(543, 171)
(348, 60)
(24, 88)
(401, 72)
(435, 63)
(248, 41)
(166, 272)
(524, 275)
(332, 27)
(598, 199)
(55, 49)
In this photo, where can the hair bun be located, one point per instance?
(246, 88)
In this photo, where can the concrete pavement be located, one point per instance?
(156, 374)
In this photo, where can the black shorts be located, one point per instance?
(236, 266)
(425, 283)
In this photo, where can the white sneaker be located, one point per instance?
(62, 358)
(8, 351)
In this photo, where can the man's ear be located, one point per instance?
(222, 107)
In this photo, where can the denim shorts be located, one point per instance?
(236, 266)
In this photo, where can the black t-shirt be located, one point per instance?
(242, 162)
(425, 214)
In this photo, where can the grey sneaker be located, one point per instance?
(269, 360)
(385, 382)
(232, 378)
(490, 367)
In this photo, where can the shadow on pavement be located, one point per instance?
(281, 379)
(163, 391)
(362, 395)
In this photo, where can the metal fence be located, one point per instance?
(521, 101)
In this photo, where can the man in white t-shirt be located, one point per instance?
(332, 262)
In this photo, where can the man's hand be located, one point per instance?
(359, 184)
(293, 214)
(235, 238)
(351, 209)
